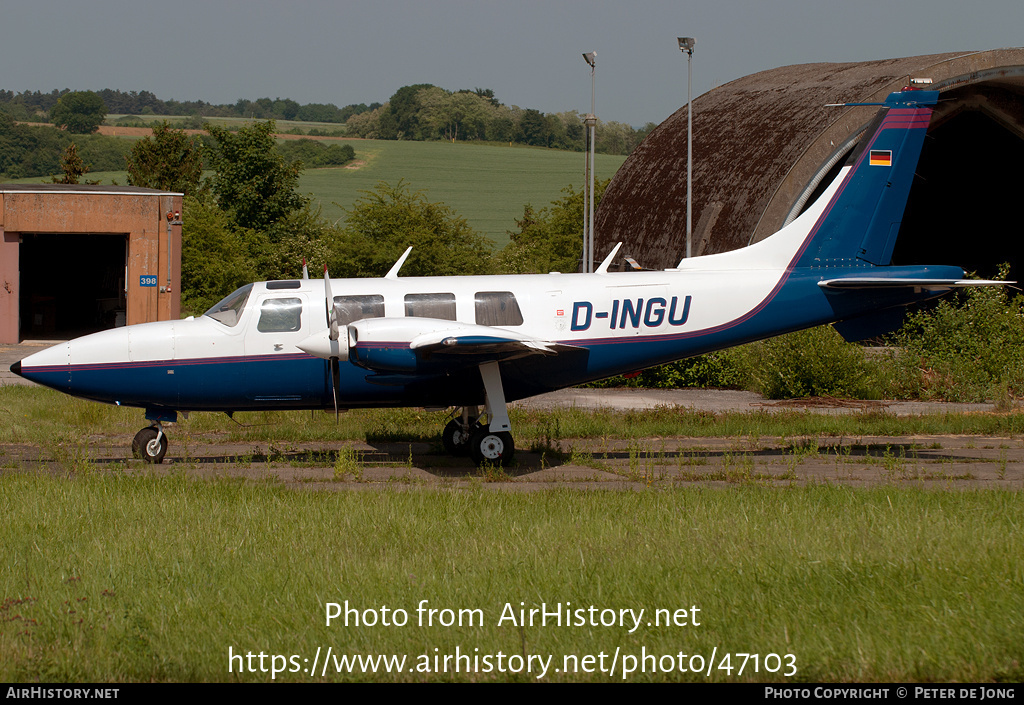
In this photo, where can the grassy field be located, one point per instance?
(488, 185)
(111, 578)
(116, 572)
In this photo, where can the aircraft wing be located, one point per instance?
(480, 342)
(906, 282)
(430, 345)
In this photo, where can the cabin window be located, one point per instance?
(430, 306)
(280, 316)
(356, 308)
(228, 309)
(497, 308)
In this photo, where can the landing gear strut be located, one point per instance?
(150, 444)
(484, 443)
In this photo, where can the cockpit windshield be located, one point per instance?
(228, 309)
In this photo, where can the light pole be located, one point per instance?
(686, 44)
(588, 195)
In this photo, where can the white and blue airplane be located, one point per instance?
(478, 342)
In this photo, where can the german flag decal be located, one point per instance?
(881, 157)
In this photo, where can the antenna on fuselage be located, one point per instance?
(393, 272)
(603, 269)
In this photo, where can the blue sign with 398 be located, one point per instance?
(147, 280)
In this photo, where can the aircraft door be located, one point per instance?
(276, 372)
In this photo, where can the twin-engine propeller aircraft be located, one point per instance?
(472, 342)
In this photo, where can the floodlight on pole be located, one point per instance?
(686, 44)
(588, 193)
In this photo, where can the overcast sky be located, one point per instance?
(527, 51)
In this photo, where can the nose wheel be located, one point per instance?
(150, 444)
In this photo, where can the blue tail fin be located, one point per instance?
(859, 226)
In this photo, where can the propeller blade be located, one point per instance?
(332, 319)
(336, 385)
(305, 269)
(335, 374)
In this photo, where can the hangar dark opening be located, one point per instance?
(71, 285)
(963, 205)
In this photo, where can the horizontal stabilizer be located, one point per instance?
(919, 284)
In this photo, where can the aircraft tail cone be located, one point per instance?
(16, 368)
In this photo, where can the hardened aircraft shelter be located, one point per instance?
(765, 145)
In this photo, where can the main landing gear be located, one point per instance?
(489, 442)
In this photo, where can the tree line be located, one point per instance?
(428, 112)
(36, 106)
(417, 112)
(29, 150)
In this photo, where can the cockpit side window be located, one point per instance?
(228, 309)
(430, 306)
(280, 316)
(356, 308)
(497, 308)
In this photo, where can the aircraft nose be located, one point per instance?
(47, 367)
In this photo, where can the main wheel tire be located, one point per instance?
(455, 440)
(495, 447)
(146, 447)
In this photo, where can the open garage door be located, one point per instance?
(71, 284)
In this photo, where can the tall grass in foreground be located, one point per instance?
(116, 578)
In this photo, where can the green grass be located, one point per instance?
(43, 417)
(109, 573)
(110, 577)
(488, 185)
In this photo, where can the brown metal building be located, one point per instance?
(765, 144)
(77, 259)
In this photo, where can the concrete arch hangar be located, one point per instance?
(765, 145)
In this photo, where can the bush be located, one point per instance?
(968, 348)
(809, 363)
(314, 154)
(722, 369)
(816, 362)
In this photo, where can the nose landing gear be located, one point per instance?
(150, 444)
